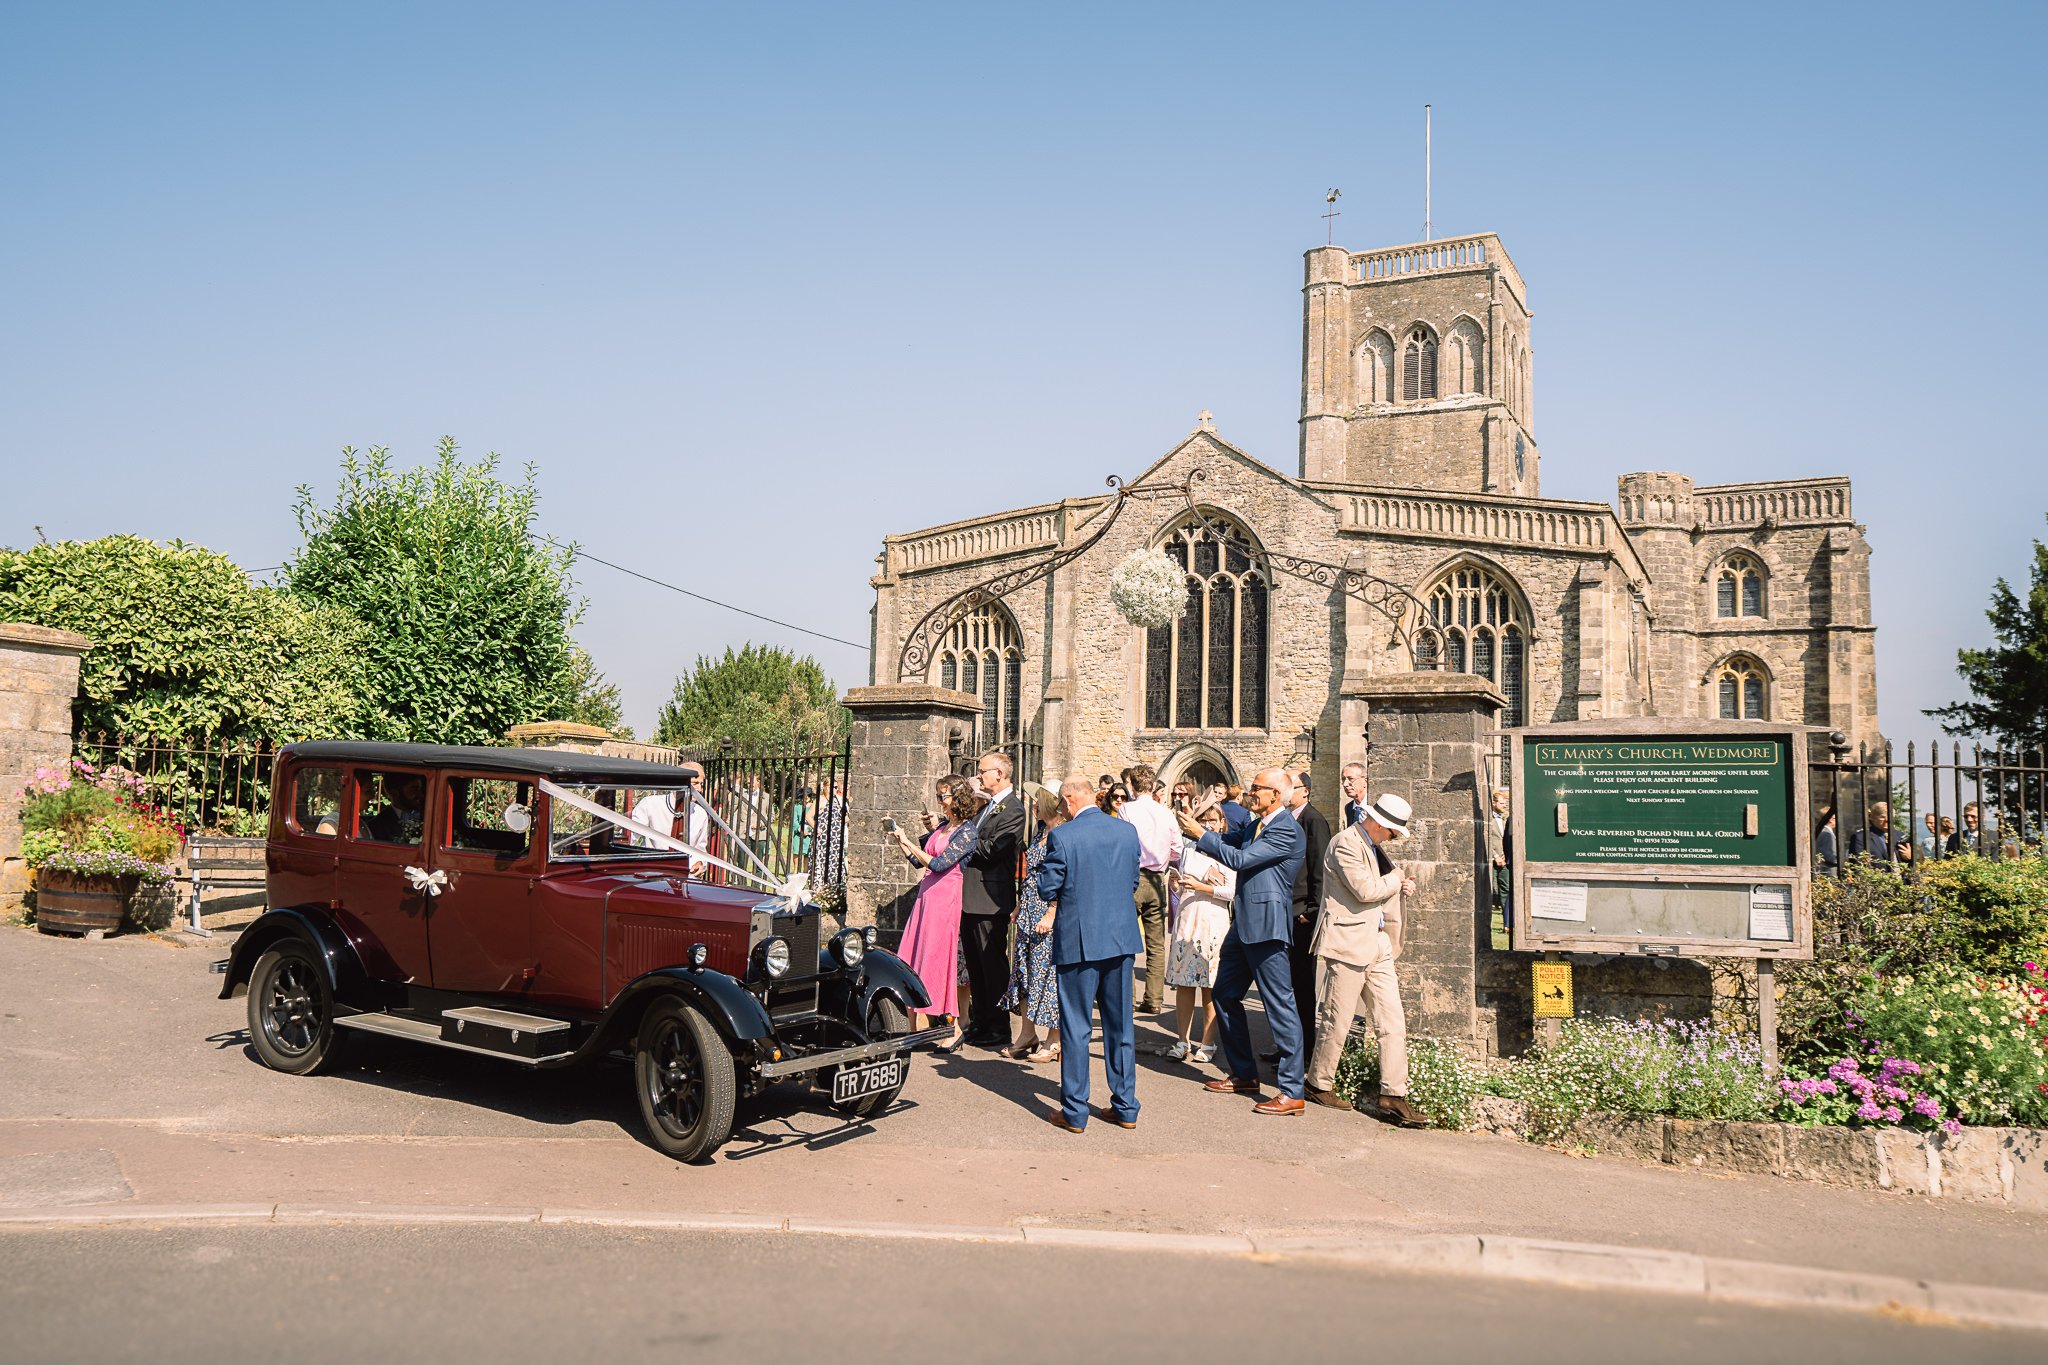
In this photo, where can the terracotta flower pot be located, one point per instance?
(67, 903)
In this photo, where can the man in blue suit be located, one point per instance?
(1089, 876)
(1266, 855)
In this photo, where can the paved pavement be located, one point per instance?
(129, 1083)
(515, 1294)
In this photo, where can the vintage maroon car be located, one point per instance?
(507, 902)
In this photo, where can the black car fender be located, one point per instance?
(731, 1007)
(338, 957)
(889, 975)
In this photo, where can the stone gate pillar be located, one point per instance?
(904, 739)
(1427, 738)
(38, 682)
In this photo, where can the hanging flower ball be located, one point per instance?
(1149, 588)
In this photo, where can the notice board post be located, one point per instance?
(1677, 838)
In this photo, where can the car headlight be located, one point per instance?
(699, 954)
(775, 956)
(868, 936)
(849, 948)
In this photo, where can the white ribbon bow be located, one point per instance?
(433, 883)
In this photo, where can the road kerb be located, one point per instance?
(140, 1213)
(1520, 1258)
(933, 1232)
(401, 1213)
(677, 1222)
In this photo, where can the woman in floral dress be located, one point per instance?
(931, 940)
(1034, 998)
(1196, 941)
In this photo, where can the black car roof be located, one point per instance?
(552, 763)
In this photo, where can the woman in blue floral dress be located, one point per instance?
(1033, 998)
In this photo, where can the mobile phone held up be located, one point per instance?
(888, 824)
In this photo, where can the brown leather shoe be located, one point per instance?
(1059, 1121)
(1108, 1115)
(1329, 1099)
(1396, 1109)
(1232, 1085)
(1280, 1104)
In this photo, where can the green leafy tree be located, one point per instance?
(185, 644)
(2009, 682)
(596, 701)
(469, 615)
(758, 698)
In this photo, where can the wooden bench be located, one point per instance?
(225, 864)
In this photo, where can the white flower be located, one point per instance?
(1149, 588)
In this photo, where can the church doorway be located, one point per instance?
(1199, 766)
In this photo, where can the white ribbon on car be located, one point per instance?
(793, 887)
(432, 883)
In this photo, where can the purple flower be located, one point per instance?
(1926, 1108)
(1868, 1111)
(1892, 1113)
(1952, 1127)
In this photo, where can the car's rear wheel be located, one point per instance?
(683, 1075)
(291, 1010)
(886, 1019)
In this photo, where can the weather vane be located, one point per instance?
(1329, 219)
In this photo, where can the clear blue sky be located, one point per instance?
(754, 285)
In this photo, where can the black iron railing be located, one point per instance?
(1993, 803)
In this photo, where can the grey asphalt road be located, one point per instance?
(513, 1294)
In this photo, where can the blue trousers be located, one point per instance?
(1083, 986)
(1237, 967)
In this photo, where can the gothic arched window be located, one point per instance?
(1739, 689)
(1418, 365)
(1376, 368)
(1468, 357)
(1207, 671)
(1475, 623)
(1739, 590)
(984, 654)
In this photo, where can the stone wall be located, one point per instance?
(38, 682)
(904, 738)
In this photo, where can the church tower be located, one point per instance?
(1415, 368)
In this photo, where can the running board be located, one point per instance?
(427, 1031)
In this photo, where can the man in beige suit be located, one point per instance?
(1358, 936)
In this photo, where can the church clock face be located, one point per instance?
(1521, 461)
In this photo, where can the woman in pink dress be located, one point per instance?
(931, 940)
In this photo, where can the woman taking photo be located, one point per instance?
(931, 941)
(1196, 942)
(1033, 998)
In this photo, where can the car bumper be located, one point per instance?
(865, 1052)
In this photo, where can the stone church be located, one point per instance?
(1419, 471)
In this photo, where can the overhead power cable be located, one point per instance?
(581, 553)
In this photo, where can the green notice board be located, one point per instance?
(1690, 800)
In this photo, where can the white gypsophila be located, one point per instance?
(1149, 588)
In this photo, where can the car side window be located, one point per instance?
(476, 816)
(391, 808)
(316, 801)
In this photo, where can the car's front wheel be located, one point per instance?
(683, 1075)
(886, 1019)
(291, 1010)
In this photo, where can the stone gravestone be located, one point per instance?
(905, 736)
(38, 682)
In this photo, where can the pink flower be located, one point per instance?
(1868, 1111)
(1952, 1127)
(1892, 1113)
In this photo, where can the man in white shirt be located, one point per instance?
(658, 808)
(1159, 845)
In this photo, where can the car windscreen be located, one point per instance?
(574, 833)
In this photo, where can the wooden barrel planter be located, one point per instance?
(67, 903)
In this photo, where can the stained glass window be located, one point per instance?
(1474, 622)
(1740, 588)
(1209, 670)
(984, 654)
(1739, 689)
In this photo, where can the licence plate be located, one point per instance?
(858, 1081)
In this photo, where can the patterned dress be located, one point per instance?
(1032, 984)
(1198, 930)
